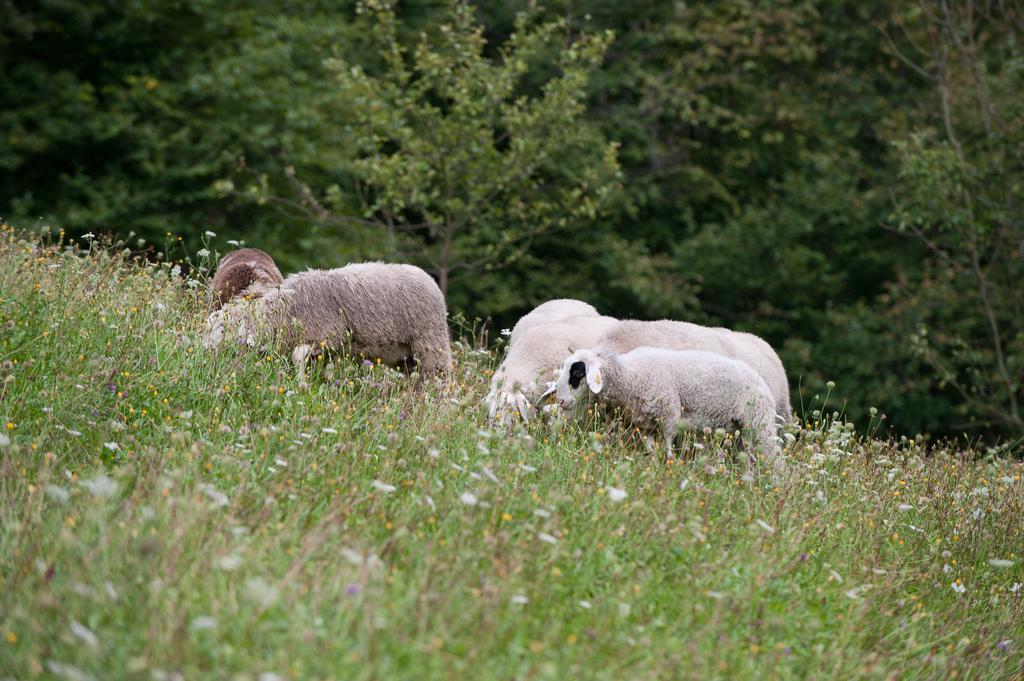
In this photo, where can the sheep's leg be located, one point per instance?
(300, 354)
(669, 429)
(669, 436)
(431, 357)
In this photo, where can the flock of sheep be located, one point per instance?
(661, 376)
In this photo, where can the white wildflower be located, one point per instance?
(203, 622)
(232, 242)
(112, 446)
(946, 568)
(67, 671)
(527, 469)
(905, 507)
(100, 486)
(260, 592)
(545, 537)
(469, 499)
(519, 599)
(1015, 587)
(616, 494)
(542, 513)
(352, 556)
(209, 235)
(229, 563)
(203, 253)
(765, 526)
(218, 498)
(269, 676)
(959, 588)
(585, 605)
(1000, 563)
(4, 440)
(84, 634)
(329, 431)
(506, 332)
(57, 493)
(684, 484)
(856, 591)
(430, 502)
(624, 609)
(833, 575)
(383, 487)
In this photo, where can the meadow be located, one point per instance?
(169, 513)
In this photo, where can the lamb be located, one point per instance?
(673, 335)
(533, 360)
(551, 311)
(394, 312)
(247, 271)
(662, 389)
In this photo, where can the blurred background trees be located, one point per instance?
(843, 178)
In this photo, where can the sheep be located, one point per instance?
(551, 311)
(662, 389)
(394, 312)
(247, 271)
(533, 360)
(673, 335)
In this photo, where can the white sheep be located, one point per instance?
(551, 311)
(392, 312)
(673, 335)
(662, 390)
(532, 362)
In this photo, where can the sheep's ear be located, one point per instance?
(594, 377)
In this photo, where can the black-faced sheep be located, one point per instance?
(673, 335)
(661, 390)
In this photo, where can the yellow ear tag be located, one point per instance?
(597, 377)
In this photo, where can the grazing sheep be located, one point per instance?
(394, 312)
(551, 311)
(663, 389)
(532, 363)
(243, 272)
(672, 335)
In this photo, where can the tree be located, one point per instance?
(461, 160)
(959, 195)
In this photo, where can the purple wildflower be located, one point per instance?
(352, 589)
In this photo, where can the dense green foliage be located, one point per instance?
(170, 513)
(842, 178)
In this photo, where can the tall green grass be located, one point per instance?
(167, 513)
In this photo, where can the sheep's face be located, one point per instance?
(230, 319)
(580, 371)
(214, 333)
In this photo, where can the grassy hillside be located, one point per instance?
(167, 513)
